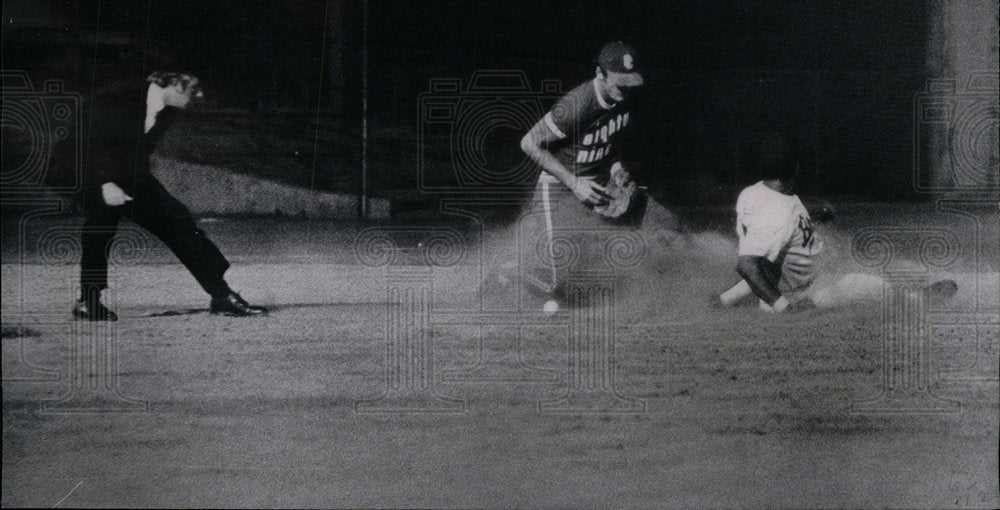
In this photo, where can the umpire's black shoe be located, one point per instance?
(93, 310)
(235, 306)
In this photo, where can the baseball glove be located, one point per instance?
(619, 192)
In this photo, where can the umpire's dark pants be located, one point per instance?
(156, 210)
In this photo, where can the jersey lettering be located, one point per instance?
(600, 135)
(589, 156)
(587, 128)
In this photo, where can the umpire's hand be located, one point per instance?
(589, 192)
(114, 195)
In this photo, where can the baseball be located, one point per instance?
(550, 307)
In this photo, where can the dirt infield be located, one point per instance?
(376, 384)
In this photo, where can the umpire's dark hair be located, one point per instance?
(778, 157)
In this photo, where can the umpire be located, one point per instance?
(124, 125)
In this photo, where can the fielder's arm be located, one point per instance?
(535, 144)
(762, 275)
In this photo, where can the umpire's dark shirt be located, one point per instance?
(115, 149)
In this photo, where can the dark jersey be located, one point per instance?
(114, 148)
(588, 129)
(119, 151)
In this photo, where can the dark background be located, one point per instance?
(839, 76)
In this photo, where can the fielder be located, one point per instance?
(584, 189)
(780, 248)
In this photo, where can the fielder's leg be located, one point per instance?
(549, 236)
(544, 279)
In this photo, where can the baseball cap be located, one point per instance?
(618, 57)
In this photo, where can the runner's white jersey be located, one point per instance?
(778, 227)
